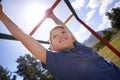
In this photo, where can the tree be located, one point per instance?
(47, 75)
(4, 74)
(114, 16)
(30, 68)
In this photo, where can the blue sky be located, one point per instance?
(27, 13)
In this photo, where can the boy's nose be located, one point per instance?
(60, 35)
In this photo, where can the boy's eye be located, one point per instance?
(55, 36)
(63, 32)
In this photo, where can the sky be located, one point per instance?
(28, 13)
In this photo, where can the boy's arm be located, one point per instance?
(31, 44)
(59, 22)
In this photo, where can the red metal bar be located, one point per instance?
(51, 9)
(100, 38)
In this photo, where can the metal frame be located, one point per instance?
(5, 36)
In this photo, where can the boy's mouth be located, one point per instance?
(62, 40)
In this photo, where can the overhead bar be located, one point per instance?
(10, 37)
(92, 31)
(71, 15)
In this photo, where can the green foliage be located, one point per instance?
(4, 74)
(114, 16)
(30, 68)
(47, 75)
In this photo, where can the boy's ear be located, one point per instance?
(52, 48)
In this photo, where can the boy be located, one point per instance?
(70, 60)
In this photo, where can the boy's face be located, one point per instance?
(61, 39)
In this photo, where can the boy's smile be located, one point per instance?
(62, 40)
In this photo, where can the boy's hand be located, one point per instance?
(49, 13)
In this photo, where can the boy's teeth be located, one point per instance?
(63, 39)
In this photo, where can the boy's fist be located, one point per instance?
(49, 13)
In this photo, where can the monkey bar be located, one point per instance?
(71, 15)
(10, 37)
(79, 20)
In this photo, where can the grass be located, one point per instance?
(110, 55)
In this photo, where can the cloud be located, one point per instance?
(77, 36)
(90, 14)
(105, 23)
(93, 3)
(82, 29)
(117, 4)
(78, 4)
(80, 32)
(99, 3)
(104, 5)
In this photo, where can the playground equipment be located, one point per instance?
(78, 19)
